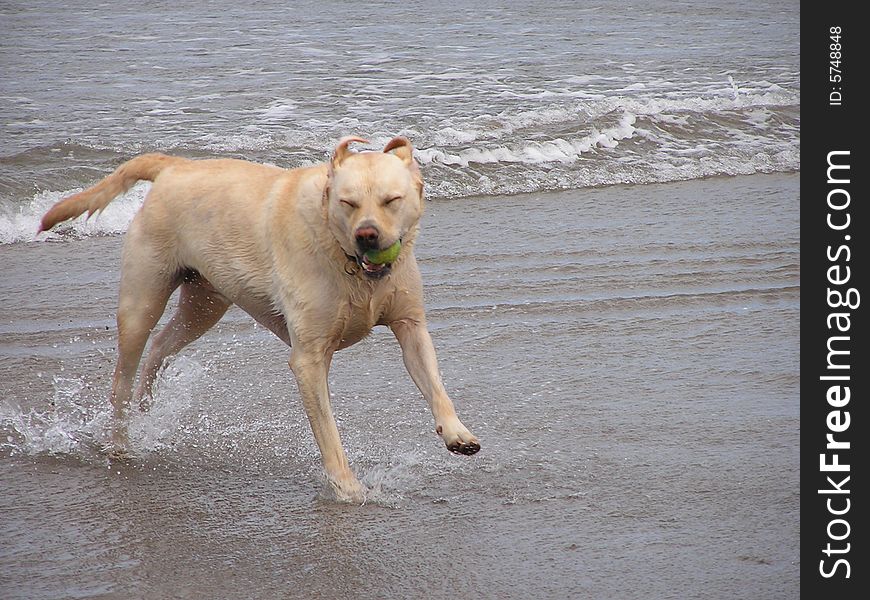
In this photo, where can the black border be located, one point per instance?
(826, 128)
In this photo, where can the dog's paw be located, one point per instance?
(458, 439)
(118, 448)
(467, 448)
(348, 489)
(117, 453)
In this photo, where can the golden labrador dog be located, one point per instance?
(292, 248)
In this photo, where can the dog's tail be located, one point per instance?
(145, 167)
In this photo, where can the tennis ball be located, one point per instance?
(387, 255)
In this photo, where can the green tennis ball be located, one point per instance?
(387, 255)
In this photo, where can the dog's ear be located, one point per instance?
(341, 150)
(402, 148)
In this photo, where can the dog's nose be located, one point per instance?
(367, 237)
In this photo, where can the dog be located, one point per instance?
(289, 247)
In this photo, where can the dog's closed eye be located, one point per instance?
(349, 203)
(391, 200)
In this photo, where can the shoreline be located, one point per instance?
(20, 228)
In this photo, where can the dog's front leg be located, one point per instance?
(311, 370)
(418, 352)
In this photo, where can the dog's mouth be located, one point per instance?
(373, 263)
(376, 262)
(372, 270)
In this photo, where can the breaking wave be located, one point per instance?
(650, 133)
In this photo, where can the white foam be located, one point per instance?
(450, 136)
(21, 224)
(671, 107)
(278, 111)
(734, 88)
(532, 152)
(726, 100)
(758, 117)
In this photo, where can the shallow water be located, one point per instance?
(628, 356)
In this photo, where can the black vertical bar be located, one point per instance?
(834, 370)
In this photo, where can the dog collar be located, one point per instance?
(352, 266)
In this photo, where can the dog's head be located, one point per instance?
(372, 200)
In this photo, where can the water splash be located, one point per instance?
(174, 395)
(385, 483)
(77, 420)
(71, 423)
(385, 480)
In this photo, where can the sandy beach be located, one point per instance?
(628, 356)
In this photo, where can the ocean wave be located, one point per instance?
(554, 150)
(643, 135)
(516, 178)
(668, 105)
(20, 224)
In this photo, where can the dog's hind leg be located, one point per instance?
(200, 306)
(146, 285)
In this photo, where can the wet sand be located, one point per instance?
(628, 356)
